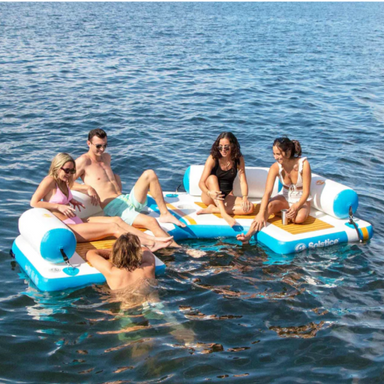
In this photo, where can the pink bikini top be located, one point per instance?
(60, 198)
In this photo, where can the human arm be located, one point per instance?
(47, 186)
(209, 164)
(98, 258)
(81, 163)
(118, 181)
(148, 263)
(247, 205)
(261, 218)
(307, 178)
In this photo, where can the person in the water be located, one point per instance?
(104, 187)
(54, 194)
(126, 265)
(216, 182)
(294, 173)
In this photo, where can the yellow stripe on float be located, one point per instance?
(181, 214)
(365, 233)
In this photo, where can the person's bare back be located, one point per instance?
(126, 265)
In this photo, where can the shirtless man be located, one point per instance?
(104, 187)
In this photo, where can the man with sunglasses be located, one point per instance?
(105, 188)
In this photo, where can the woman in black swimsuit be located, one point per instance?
(216, 183)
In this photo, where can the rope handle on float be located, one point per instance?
(65, 257)
(351, 221)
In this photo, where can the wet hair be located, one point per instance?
(100, 133)
(127, 252)
(286, 145)
(58, 162)
(235, 146)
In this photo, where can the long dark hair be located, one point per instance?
(286, 145)
(235, 146)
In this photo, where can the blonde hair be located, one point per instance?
(58, 162)
(127, 252)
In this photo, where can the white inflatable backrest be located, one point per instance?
(47, 234)
(328, 196)
(332, 197)
(90, 209)
(256, 178)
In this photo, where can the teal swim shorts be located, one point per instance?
(125, 206)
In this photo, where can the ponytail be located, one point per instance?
(285, 144)
(297, 149)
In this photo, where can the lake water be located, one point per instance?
(164, 79)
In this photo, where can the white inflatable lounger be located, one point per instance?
(47, 251)
(328, 223)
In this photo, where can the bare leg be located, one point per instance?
(276, 204)
(149, 181)
(303, 213)
(151, 224)
(153, 243)
(233, 206)
(212, 184)
(95, 231)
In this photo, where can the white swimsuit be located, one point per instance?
(292, 193)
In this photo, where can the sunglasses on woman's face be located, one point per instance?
(67, 171)
(224, 147)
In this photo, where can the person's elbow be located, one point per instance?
(33, 203)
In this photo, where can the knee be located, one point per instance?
(212, 180)
(270, 206)
(300, 219)
(150, 175)
(151, 222)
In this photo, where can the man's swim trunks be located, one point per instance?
(125, 206)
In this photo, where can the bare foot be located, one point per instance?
(174, 245)
(159, 245)
(230, 220)
(203, 211)
(243, 238)
(169, 218)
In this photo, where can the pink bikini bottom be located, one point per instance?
(73, 220)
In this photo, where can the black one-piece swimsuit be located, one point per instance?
(225, 178)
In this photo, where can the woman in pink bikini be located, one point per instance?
(54, 194)
(294, 173)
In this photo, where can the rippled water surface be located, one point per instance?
(164, 79)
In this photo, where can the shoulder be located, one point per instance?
(303, 161)
(83, 160)
(211, 162)
(48, 181)
(107, 158)
(275, 167)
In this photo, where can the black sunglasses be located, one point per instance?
(98, 146)
(225, 147)
(69, 170)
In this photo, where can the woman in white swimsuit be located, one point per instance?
(294, 173)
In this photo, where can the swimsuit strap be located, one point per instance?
(300, 176)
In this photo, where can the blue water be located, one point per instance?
(164, 79)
